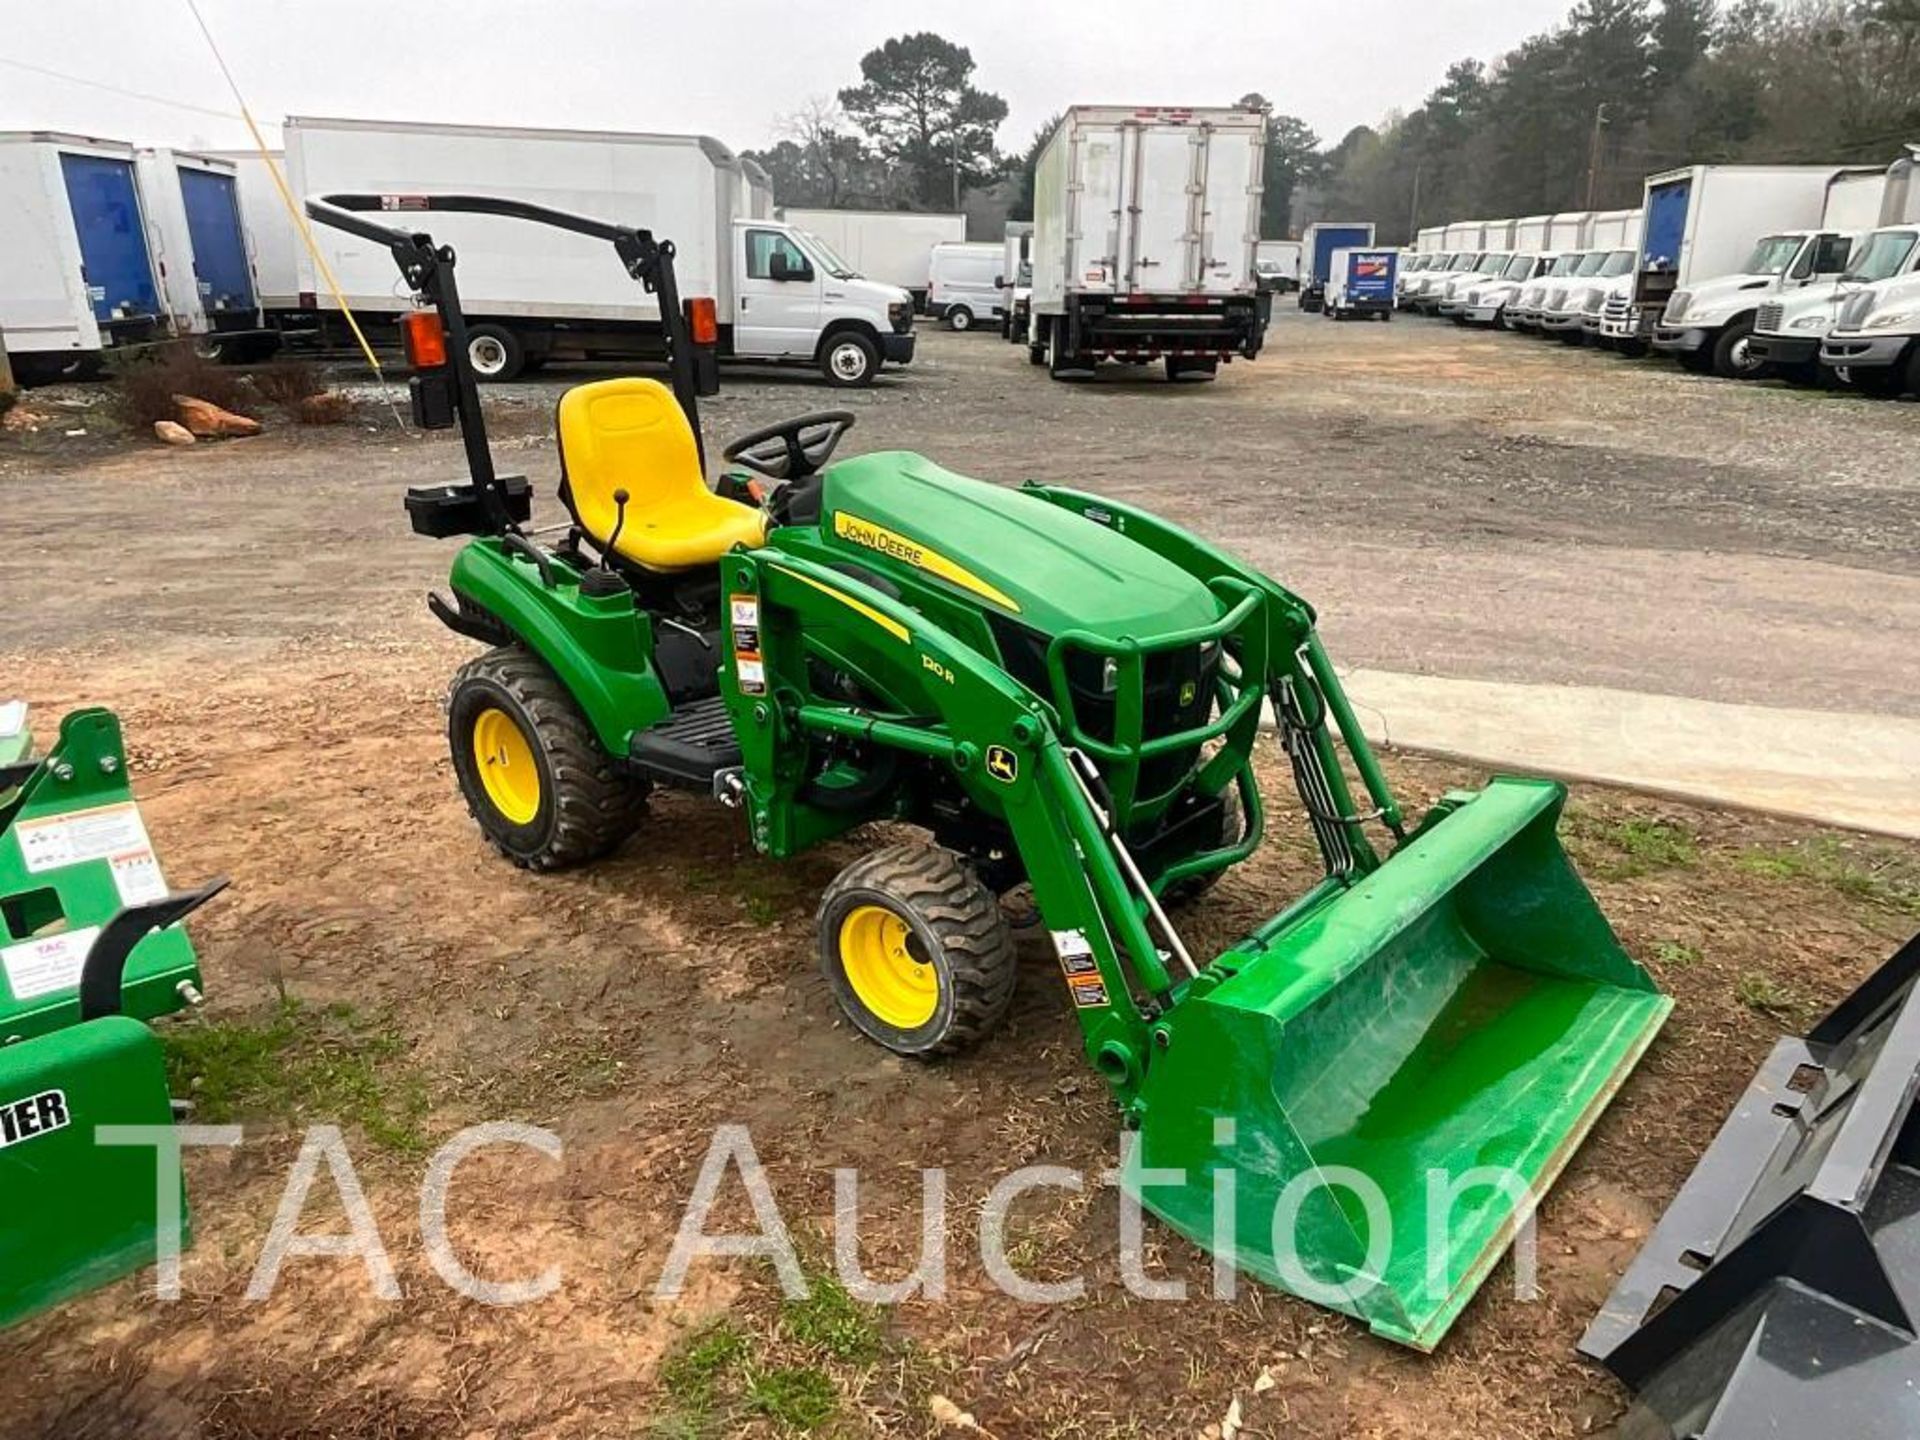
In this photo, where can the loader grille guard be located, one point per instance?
(447, 393)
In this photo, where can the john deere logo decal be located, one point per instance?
(1003, 764)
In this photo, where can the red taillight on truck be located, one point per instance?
(423, 339)
(703, 320)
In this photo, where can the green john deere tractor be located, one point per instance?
(1357, 1101)
(91, 948)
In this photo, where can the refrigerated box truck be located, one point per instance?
(778, 294)
(1317, 247)
(891, 246)
(205, 265)
(1145, 220)
(76, 271)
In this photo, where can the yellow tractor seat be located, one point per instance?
(631, 434)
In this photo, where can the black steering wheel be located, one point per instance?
(792, 449)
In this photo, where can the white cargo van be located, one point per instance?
(963, 283)
(779, 294)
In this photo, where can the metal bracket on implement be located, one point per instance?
(1779, 1293)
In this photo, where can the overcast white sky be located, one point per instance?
(721, 67)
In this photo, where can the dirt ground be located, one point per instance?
(1466, 504)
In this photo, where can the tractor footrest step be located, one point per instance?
(689, 747)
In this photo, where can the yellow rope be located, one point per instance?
(293, 209)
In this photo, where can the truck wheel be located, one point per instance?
(916, 950)
(1733, 357)
(496, 352)
(545, 794)
(849, 360)
(1696, 362)
(959, 317)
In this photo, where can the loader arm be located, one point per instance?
(999, 741)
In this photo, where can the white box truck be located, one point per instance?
(1707, 222)
(779, 294)
(891, 246)
(1788, 329)
(963, 282)
(271, 238)
(198, 236)
(1145, 220)
(1016, 280)
(76, 269)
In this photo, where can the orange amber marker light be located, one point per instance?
(703, 320)
(425, 342)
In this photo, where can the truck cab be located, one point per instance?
(1426, 296)
(1564, 309)
(797, 299)
(1523, 310)
(1874, 344)
(1453, 293)
(1788, 330)
(1487, 300)
(1708, 326)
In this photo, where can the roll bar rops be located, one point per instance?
(428, 271)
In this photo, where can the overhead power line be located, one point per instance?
(121, 90)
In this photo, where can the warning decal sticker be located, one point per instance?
(1081, 969)
(48, 965)
(113, 833)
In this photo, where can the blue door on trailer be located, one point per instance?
(219, 245)
(1666, 225)
(113, 241)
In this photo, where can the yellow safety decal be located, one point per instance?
(888, 542)
(891, 626)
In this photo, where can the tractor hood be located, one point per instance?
(895, 511)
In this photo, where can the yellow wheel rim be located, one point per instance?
(508, 772)
(885, 977)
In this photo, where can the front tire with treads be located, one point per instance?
(530, 768)
(917, 950)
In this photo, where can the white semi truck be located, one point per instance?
(765, 290)
(77, 276)
(890, 246)
(1722, 236)
(1145, 221)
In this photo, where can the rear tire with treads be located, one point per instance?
(916, 950)
(530, 768)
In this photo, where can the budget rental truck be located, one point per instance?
(77, 276)
(1145, 220)
(757, 289)
(1360, 284)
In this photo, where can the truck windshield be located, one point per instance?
(1773, 254)
(1591, 262)
(828, 257)
(1492, 263)
(1518, 268)
(1618, 262)
(1883, 255)
(1566, 264)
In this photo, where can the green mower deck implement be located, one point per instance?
(92, 947)
(1357, 1101)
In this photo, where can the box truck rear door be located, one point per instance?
(1666, 229)
(1164, 197)
(219, 245)
(113, 239)
(1096, 207)
(1229, 226)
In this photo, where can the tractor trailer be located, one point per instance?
(1724, 235)
(890, 246)
(758, 289)
(78, 276)
(1145, 220)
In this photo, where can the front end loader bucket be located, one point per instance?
(1360, 1102)
(1779, 1294)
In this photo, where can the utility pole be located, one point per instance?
(1413, 211)
(1593, 152)
(956, 167)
